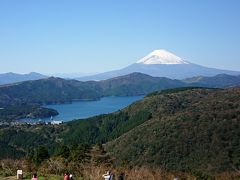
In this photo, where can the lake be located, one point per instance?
(85, 109)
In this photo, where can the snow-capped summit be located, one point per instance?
(161, 63)
(161, 56)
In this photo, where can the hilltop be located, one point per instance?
(8, 78)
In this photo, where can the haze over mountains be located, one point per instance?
(7, 78)
(218, 81)
(159, 63)
(162, 63)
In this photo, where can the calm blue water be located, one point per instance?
(85, 109)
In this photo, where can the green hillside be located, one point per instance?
(190, 129)
(47, 91)
(196, 130)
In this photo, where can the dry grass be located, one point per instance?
(8, 178)
(141, 173)
(228, 176)
(95, 172)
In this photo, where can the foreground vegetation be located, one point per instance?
(95, 173)
(195, 131)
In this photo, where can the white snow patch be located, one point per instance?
(161, 56)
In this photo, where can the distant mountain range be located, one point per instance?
(10, 77)
(56, 90)
(70, 75)
(218, 81)
(161, 63)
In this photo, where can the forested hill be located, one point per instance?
(137, 84)
(47, 91)
(56, 90)
(188, 129)
(197, 129)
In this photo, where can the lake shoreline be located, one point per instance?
(80, 109)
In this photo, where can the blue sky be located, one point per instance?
(64, 36)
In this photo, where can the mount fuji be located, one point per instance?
(162, 63)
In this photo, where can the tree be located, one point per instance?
(40, 154)
(63, 151)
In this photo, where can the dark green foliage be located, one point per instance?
(194, 129)
(47, 91)
(79, 153)
(74, 152)
(63, 151)
(39, 155)
(8, 151)
(25, 138)
(176, 90)
(16, 112)
(103, 128)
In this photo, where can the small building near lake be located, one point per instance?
(56, 122)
